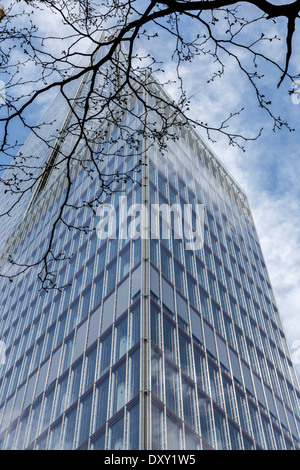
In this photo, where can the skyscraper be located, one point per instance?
(156, 341)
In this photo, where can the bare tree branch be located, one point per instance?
(97, 57)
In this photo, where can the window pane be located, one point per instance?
(118, 393)
(85, 408)
(90, 365)
(171, 388)
(133, 427)
(174, 435)
(157, 428)
(116, 434)
(101, 403)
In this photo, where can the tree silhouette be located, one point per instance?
(100, 58)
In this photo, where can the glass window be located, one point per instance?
(77, 283)
(184, 351)
(162, 184)
(111, 277)
(37, 353)
(136, 246)
(213, 377)
(166, 263)
(155, 325)
(134, 319)
(9, 440)
(172, 388)
(156, 374)
(81, 256)
(122, 298)
(47, 408)
(235, 365)
(124, 263)
(204, 301)
(179, 278)
(242, 411)
(108, 312)
(191, 442)
(268, 433)
(223, 356)
(200, 365)
(89, 269)
(210, 340)
(55, 436)
(248, 445)
(205, 419)
(278, 438)
(256, 426)
(106, 353)
(101, 403)
(178, 249)
(98, 443)
(221, 432)
(85, 412)
(21, 433)
(67, 354)
(118, 388)
(113, 247)
(154, 251)
(75, 382)
(49, 342)
(121, 339)
(228, 396)
(69, 429)
(134, 375)
(133, 427)
(32, 429)
(72, 316)
(168, 298)
(235, 437)
(189, 405)
(174, 434)
(189, 261)
(61, 329)
(85, 303)
(61, 396)
(157, 427)
(192, 290)
(116, 433)
(169, 339)
(136, 283)
(90, 367)
(98, 285)
(101, 255)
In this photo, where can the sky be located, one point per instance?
(268, 170)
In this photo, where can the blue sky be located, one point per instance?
(268, 171)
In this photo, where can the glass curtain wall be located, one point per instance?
(151, 344)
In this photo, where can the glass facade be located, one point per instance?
(149, 344)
